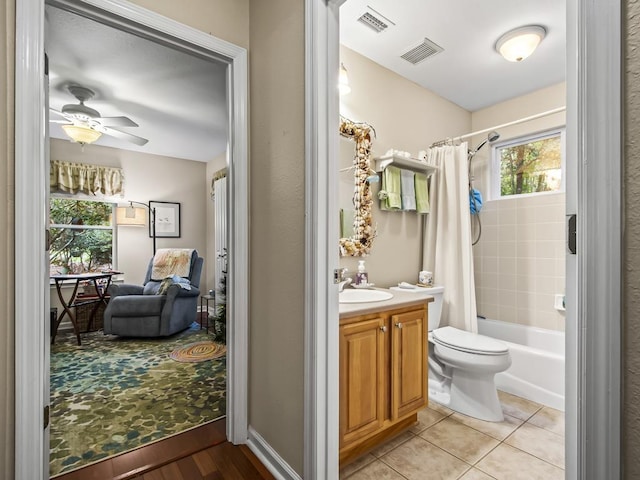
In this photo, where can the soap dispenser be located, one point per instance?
(361, 277)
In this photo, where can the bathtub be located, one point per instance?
(537, 355)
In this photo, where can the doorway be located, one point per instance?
(30, 163)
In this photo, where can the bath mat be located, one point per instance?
(198, 352)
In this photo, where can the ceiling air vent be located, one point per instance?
(374, 20)
(421, 52)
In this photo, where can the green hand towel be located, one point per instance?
(346, 222)
(422, 193)
(391, 191)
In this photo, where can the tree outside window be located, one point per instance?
(531, 166)
(81, 236)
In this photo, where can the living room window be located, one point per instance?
(529, 165)
(82, 235)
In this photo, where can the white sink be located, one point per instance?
(363, 296)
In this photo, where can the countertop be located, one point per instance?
(400, 299)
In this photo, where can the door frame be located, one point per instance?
(31, 184)
(321, 354)
(595, 143)
(594, 316)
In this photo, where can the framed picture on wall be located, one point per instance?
(167, 219)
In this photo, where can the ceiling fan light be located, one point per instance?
(518, 44)
(80, 134)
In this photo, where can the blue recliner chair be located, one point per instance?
(160, 307)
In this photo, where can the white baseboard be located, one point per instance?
(270, 458)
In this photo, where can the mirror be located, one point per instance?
(359, 244)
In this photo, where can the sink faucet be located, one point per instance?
(344, 282)
(340, 278)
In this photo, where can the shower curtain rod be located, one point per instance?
(497, 127)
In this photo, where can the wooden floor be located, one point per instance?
(201, 453)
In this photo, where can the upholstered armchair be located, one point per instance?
(165, 304)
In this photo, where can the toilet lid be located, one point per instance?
(468, 342)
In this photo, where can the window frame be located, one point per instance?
(520, 140)
(112, 226)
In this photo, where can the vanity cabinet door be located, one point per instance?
(409, 355)
(362, 378)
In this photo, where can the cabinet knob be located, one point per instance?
(383, 329)
(399, 324)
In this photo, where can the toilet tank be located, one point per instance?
(435, 307)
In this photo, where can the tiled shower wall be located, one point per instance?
(520, 260)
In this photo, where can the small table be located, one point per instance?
(101, 282)
(204, 300)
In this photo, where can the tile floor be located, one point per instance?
(529, 444)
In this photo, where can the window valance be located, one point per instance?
(68, 177)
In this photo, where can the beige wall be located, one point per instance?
(276, 359)
(7, 48)
(226, 19)
(519, 262)
(405, 117)
(631, 279)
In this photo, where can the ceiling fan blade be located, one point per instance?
(58, 112)
(117, 122)
(122, 135)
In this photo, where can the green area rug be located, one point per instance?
(114, 394)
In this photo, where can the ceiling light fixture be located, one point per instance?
(518, 44)
(81, 134)
(343, 81)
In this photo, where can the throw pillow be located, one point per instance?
(167, 282)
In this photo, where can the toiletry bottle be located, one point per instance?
(361, 277)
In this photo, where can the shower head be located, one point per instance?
(491, 137)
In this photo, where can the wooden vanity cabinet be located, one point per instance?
(362, 378)
(383, 376)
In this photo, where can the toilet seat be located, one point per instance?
(468, 342)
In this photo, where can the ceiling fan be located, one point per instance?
(85, 125)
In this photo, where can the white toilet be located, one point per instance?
(462, 366)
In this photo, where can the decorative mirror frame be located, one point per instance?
(359, 245)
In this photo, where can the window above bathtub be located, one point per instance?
(529, 165)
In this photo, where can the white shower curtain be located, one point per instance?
(447, 237)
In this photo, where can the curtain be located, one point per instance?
(75, 178)
(219, 195)
(447, 237)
